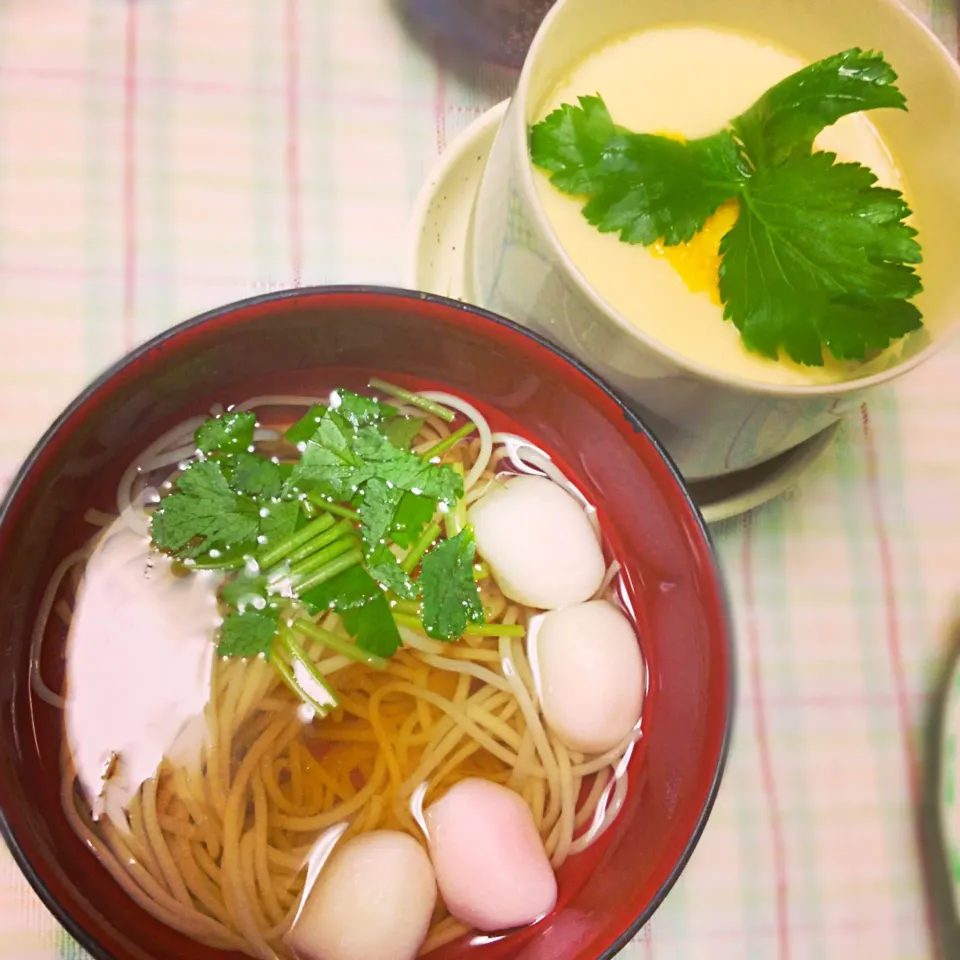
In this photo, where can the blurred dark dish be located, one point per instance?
(499, 31)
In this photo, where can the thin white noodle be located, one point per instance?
(612, 571)
(613, 756)
(138, 884)
(99, 518)
(478, 491)
(607, 810)
(43, 616)
(419, 642)
(568, 803)
(277, 400)
(531, 714)
(333, 664)
(483, 431)
(471, 669)
(174, 437)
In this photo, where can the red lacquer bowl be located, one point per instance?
(307, 341)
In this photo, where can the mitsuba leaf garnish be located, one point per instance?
(203, 513)
(307, 425)
(401, 431)
(278, 519)
(360, 411)
(362, 606)
(339, 459)
(383, 565)
(820, 256)
(451, 599)
(247, 515)
(253, 475)
(784, 122)
(413, 513)
(248, 634)
(799, 270)
(229, 433)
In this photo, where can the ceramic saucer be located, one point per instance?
(437, 253)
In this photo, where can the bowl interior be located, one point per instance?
(309, 341)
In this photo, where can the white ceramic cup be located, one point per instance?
(710, 422)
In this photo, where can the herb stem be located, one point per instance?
(337, 644)
(413, 398)
(323, 574)
(328, 507)
(319, 559)
(456, 519)
(280, 550)
(314, 546)
(219, 563)
(406, 620)
(400, 605)
(303, 678)
(422, 545)
(495, 630)
(481, 571)
(442, 446)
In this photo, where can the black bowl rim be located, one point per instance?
(72, 926)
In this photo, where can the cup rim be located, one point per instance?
(516, 127)
(32, 872)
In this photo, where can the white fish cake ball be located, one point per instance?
(373, 901)
(538, 542)
(591, 675)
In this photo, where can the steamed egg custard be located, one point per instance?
(701, 129)
(347, 677)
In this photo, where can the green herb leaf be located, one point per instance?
(451, 599)
(820, 255)
(385, 567)
(373, 627)
(570, 142)
(307, 425)
(253, 475)
(248, 634)
(785, 121)
(323, 468)
(203, 512)
(377, 512)
(245, 590)
(278, 519)
(413, 514)
(229, 433)
(654, 188)
(359, 411)
(337, 462)
(363, 608)
(402, 431)
(642, 186)
(405, 470)
(352, 588)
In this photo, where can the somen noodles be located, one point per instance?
(343, 637)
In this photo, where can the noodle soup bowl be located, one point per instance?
(712, 421)
(308, 341)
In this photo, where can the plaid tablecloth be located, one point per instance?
(159, 157)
